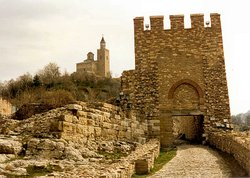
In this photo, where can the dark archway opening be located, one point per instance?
(189, 128)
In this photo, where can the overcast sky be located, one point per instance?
(36, 32)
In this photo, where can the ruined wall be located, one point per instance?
(5, 107)
(101, 122)
(140, 161)
(80, 133)
(178, 70)
(82, 123)
(236, 144)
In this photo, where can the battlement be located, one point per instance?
(177, 22)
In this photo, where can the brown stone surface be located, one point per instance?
(5, 107)
(236, 144)
(71, 140)
(178, 72)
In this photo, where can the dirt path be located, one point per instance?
(195, 161)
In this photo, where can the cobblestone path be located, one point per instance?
(195, 161)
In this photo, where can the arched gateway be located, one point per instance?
(179, 83)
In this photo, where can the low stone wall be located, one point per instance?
(236, 144)
(125, 168)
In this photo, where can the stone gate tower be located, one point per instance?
(179, 73)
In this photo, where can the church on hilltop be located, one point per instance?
(99, 67)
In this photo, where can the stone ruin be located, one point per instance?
(177, 90)
(75, 141)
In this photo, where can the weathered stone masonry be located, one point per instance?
(5, 107)
(77, 132)
(178, 72)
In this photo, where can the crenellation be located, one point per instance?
(177, 22)
(197, 20)
(156, 23)
(138, 24)
(215, 20)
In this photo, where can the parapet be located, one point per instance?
(156, 22)
(177, 22)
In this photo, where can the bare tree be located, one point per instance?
(50, 73)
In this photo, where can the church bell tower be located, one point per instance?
(103, 64)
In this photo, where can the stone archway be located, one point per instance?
(185, 116)
(188, 82)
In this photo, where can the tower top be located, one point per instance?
(102, 40)
(102, 43)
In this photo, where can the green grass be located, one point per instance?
(34, 170)
(162, 159)
(113, 156)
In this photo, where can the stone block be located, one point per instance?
(8, 146)
(121, 134)
(82, 120)
(67, 118)
(74, 107)
(124, 123)
(90, 122)
(80, 129)
(107, 125)
(93, 116)
(142, 166)
(98, 131)
(90, 131)
(116, 127)
(141, 140)
(117, 117)
(75, 120)
(67, 127)
(81, 113)
(60, 125)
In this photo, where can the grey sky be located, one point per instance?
(36, 32)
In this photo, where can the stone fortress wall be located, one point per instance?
(178, 72)
(234, 143)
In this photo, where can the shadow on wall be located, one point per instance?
(188, 128)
